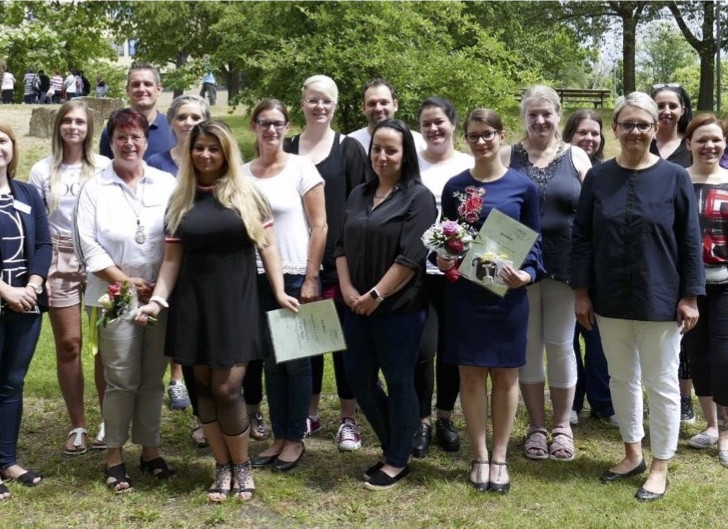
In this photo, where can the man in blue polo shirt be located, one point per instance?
(143, 86)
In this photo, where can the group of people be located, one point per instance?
(44, 89)
(209, 244)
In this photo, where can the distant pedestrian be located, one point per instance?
(56, 87)
(101, 87)
(45, 85)
(31, 87)
(69, 85)
(8, 85)
(209, 86)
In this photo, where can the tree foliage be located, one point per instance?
(661, 54)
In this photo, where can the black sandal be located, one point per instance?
(119, 475)
(4, 490)
(28, 478)
(223, 476)
(242, 471)
(157, 467)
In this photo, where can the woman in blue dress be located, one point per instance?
(500, 349)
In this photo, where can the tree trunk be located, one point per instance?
(232, 81)
(180, 61)
(629, 30)
(707, 58)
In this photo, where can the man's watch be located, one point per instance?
(38, 288)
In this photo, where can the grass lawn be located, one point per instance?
(326, 491)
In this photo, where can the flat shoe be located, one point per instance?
(702, 441)
(198, 436)
(368, 473)
(100, 442)
(263, 461)
(381, 481)
(28, 478)
(723, 457)
(499, 488)
(536, 446)
(3, 491)
(79, 446)
(157, 467)
(479, 486)
(609, 477)
(643, 494)
(281, 465)
(119, 476)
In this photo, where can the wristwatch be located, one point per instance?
(376, 296)
(38, 288)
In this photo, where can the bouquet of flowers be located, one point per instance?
(450, 240)
(120, 302)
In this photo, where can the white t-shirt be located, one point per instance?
(106, 225)
(435, 176)
(285, 193)
(69, 83)
(8, 81)
(365, 138)
(60, 219)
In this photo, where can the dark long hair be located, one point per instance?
(410, 165)
(684, 98)
(573, 123)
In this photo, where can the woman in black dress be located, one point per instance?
(215, 220)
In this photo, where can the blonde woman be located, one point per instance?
(215, 220)
(557, 169)
(58, 178)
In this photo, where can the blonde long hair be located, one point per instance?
(88, 160)
(233, 190)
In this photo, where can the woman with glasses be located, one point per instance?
(706, 345)
(341, 161)
(675, 112)
(637, 269)
(120, 238)
(557, 169)
(439, 161)
(58, 178)
(295, 191)
(502, 349)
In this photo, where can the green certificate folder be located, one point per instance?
(315, 329)
(501, 240)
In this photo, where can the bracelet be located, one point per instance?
(159, 300)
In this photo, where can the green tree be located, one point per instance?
(662, 52)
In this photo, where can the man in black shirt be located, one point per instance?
(45, 85)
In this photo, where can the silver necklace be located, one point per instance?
(139, 235)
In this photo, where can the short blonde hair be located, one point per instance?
(638, 100)
(323, 84)
(543, 93)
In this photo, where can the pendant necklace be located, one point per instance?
(139, 235)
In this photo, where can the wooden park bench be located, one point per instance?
(572, 96)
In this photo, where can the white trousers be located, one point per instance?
(644, 352)
(551, 322)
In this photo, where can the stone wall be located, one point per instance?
(43, 117)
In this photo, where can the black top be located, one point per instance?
(342, 170)
(374, 239)
(559, 186)
(636, 242)
(680, 156)
(45, 82)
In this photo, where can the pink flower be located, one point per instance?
(450, 228)
(471, 217)
(474, 203)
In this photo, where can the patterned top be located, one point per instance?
(12, 243)
(713, 216)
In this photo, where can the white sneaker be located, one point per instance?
(573, 418)
(348, 438)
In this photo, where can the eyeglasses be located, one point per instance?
(665, 85)
(629, 126)
(327, 103)
(265, 124)
(487, 136)
(121, 139)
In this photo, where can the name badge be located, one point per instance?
(22, 207)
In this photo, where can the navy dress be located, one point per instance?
(482, 329)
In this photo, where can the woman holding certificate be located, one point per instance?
(380, 260)
(474, 194)
(215, 219)
(295, 191)
(557, 169)
(638, 270)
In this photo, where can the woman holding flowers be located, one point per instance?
(120, 238)
(557, 169)
(439, 161)
(25, 255)
(380, 261)
(470, 197)
(215, 220)
(58, 178)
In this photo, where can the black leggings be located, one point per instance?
(219, 398)
(431, 347)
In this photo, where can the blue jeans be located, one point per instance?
(18, 337)
(389, 342)
(592, 373)
(287, 385)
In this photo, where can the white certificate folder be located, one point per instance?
(315, 329)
